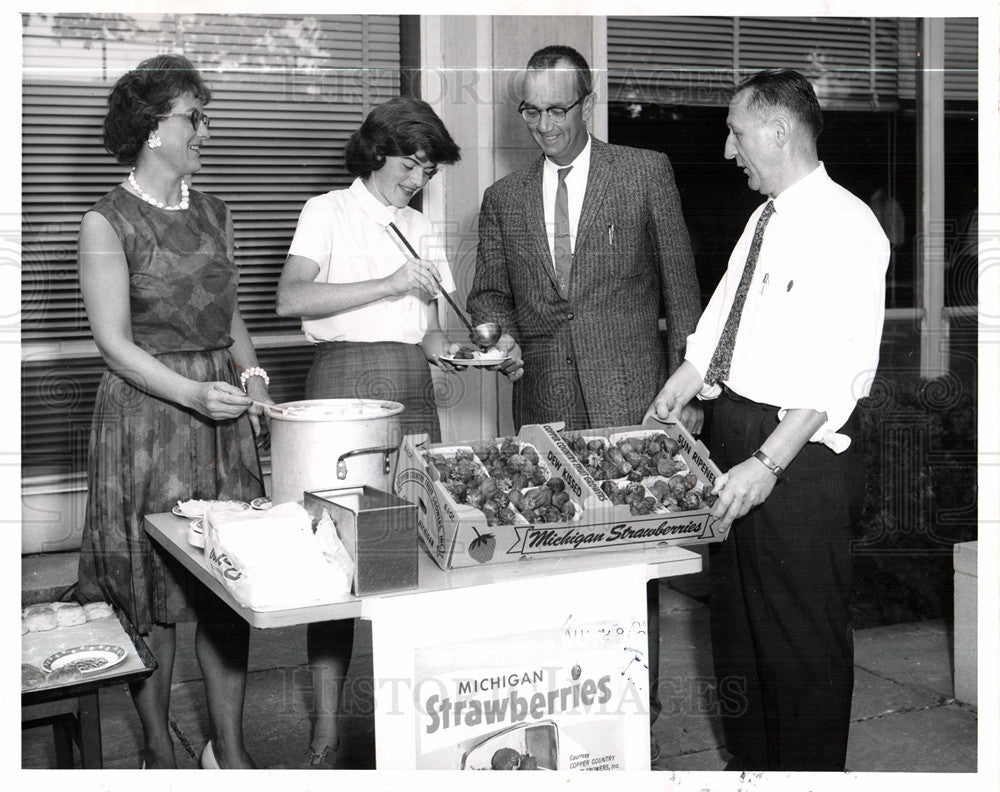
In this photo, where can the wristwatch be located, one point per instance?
(770, 464)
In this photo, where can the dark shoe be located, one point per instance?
(327, 759)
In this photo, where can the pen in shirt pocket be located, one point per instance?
(763, 284)
(611, 235)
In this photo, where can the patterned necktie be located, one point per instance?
(718, 369)
(562, 248)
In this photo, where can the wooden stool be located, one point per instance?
(73, 710)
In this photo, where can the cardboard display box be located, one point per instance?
(457, 534)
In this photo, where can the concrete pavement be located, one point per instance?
(904, 715)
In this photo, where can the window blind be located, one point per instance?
(671, 60)
(855, 63)
(961, 60)
(287, 92)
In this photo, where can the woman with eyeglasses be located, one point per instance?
(369, 305)
(171, 420)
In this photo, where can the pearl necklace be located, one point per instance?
(159, 204)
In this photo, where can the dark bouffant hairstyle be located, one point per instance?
(141, 97)
(400, 127)
(549, 57)
(787, 89)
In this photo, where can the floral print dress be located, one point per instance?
(147, 453)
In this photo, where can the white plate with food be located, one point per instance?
(261, 504)
(196, 533)
(85, 659)
(193, 509)
(477, 359)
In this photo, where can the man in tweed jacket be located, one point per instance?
(594, 356)
(589, 339)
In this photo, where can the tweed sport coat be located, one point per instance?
(632, 255)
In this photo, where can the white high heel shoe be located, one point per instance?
(208, 760)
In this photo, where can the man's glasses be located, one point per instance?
(557, 115)
(196, 117)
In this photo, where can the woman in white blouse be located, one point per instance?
(371, 310)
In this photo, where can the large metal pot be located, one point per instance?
(325, 443)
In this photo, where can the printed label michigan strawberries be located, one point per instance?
(543, 539)
(444, 713)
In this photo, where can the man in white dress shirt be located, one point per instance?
(787, 345)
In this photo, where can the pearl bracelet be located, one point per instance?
(254, 371)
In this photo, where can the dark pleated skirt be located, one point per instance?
(384, 370)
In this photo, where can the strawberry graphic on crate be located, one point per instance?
(482, 547)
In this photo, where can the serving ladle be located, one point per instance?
(486, 335)
(483, 335)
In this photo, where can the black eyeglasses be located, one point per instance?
(196, 117)
(556, 114)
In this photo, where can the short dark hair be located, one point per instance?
(141, 97)
(549, 57)
(787, 89)
(400, 127)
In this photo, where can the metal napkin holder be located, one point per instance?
(379, 531)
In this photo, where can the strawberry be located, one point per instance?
(505, 759)
(482, 547)
(528, 762)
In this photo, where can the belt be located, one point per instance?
(731, 394)
(345, 342)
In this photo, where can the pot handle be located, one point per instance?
(386, 463)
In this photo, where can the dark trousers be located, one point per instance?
(781, 583)
(653, 634)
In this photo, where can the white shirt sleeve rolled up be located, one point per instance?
(811, 328)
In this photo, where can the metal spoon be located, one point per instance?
(484, 335)
(271, 409)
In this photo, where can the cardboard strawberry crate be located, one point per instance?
(459, 534)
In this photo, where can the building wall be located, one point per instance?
(472, 67)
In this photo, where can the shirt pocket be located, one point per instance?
(774, 290)
(770, 303)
